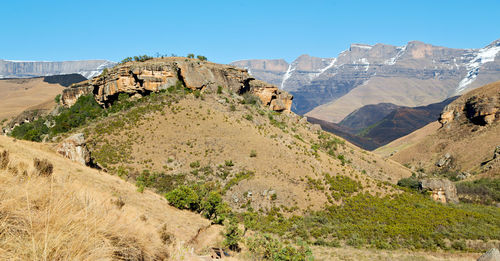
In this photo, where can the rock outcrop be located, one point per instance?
(159, 74)
(75, 149)
(491, 255)
(442, 190)
(479, 108)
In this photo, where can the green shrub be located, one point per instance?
(342, 186)
(268, 248)
(197, 94)
(190, 55)
(249, 98)
(183, 197)
(194, 164)
(205, 199)
(405, 220)
(248, 117)
(411, 182)
(85, 109)
(459, 245)
(126, 60)
(232, 235)
(253, 154)
(33, 131)
(57, 99)
(483, 190)
(142, 58)
(239, 177)
(201, 58)
(219, 89)
(229, 163)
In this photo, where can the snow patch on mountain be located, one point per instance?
(365, 62)
(322, 70)
(361, 46)
(484, 55)
(288, 73)
(393, 60)
(97, 71)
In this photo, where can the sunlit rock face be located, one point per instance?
(160, 74)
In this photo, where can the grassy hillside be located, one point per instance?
(281, 188)
(78, 213)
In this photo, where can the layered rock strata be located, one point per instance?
(160, 74)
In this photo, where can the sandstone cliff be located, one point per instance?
(159, 74)
(479, 107)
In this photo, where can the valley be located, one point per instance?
(211, 141)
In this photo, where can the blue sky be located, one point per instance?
(225, 31)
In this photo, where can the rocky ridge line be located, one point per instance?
(159, 74)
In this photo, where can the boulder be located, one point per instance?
(74, 148)
(491, 255)
(444, 161)
(442, 190)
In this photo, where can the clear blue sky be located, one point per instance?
(225, 31)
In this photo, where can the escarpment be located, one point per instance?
(159, 74)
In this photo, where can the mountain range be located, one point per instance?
(375, 125)
(28, 69)
(416, 74)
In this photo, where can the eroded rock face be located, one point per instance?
(159, 74)
(74, 148)
(271, 96)
(442, 190)
(479, 109)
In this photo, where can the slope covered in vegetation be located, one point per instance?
(277, 184)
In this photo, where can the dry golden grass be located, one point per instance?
(359, 254)
(211, 133)
(77, 213)
(21, 94)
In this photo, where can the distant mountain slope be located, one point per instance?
(65, 79)
(373, 126)
(468, 140)
(33, 93)
(345, 133)
(28, 69)
(367, 115)
(415, 74)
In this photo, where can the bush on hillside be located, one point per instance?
(483, 190)
(265, 247)
(32, 131)
(205, 199)
(411, 183)
(406, 220)
(232, 235)
(85, 109)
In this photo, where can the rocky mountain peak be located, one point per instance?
(416, 74)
